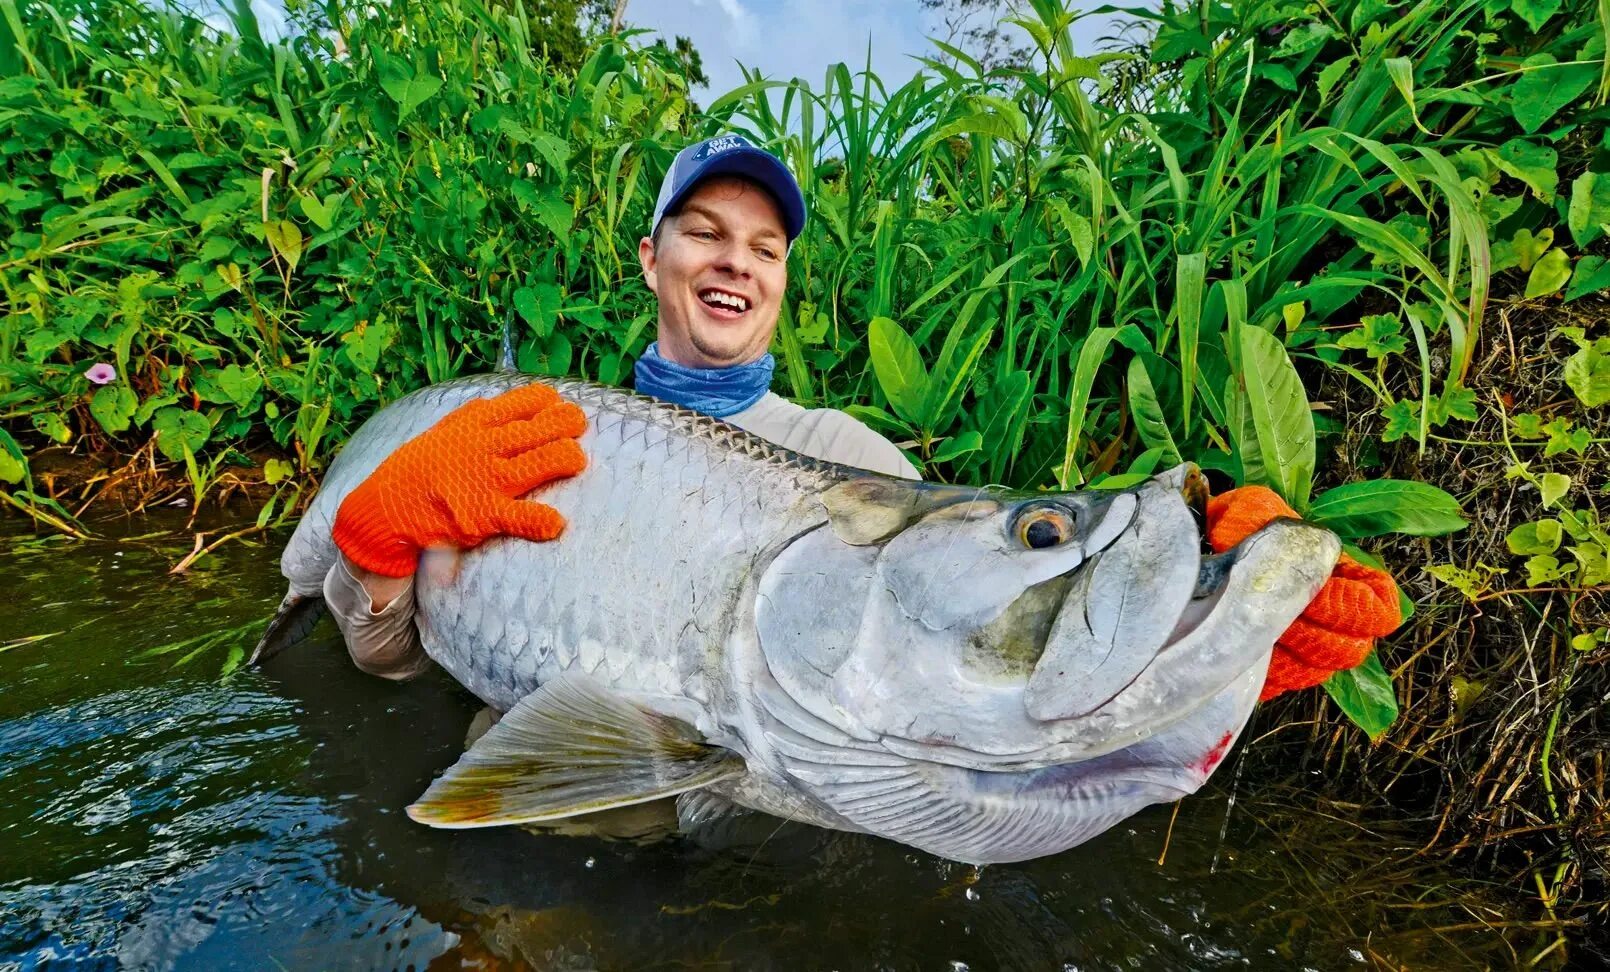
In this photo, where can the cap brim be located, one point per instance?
(759, 166)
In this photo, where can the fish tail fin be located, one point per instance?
(294, 620)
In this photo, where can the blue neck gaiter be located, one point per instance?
(718, 392)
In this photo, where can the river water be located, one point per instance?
(154, 815)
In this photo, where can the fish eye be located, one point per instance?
(1044, 527)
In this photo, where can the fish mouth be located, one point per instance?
(1147, 632)
(1168, 638)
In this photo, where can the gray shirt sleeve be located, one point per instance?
(384, 643)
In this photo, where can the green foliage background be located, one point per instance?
(1034, 275)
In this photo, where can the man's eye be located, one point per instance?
(767, 253)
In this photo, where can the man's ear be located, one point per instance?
(646, 256)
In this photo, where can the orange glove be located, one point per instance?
(1357, 605)
(458, 482)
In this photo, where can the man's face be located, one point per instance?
(719, 272)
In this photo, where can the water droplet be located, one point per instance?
(972, 894)
(588, 864)
(957, 965)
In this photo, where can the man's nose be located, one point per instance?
(735, 259)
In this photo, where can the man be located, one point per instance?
(716, 258)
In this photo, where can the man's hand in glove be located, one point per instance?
(459, 482)
(1337, 630)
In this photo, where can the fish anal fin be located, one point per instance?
(571, 748)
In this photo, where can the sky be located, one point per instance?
(800, 38)
(785, 39)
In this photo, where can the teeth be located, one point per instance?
(719, 299)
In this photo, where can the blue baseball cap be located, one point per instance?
(731, 155)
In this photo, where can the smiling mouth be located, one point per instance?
(724, 303)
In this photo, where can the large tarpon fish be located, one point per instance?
(985, 674)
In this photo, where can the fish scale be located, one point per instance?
(681, 501)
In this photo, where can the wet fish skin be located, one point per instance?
(703, 576)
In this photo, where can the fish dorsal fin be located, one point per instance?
(571, 748)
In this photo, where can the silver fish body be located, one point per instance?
(903, 659)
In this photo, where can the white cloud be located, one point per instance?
(789, 38)
(786, 39)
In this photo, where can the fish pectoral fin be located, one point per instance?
(701, 808)
(292, 622)
(571, 748)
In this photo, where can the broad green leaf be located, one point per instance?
(1281, 420)
(1592, 275)
(239, 384)
(286, 239)
(549, 356)
(1542, 537)
(1331, 74)
(1302, 39)
(1589, 640)
(1365, 695)
(1535, 12)
(539, 307)
(1471, 582)
(1549, 275)
(178, 429)
(1530, 247)
(53, 426)
(1594, 561)
(1532, 164)
(113, 407)
(959, 445)
(1494, 209)
(555, 213)
(1544, 569)
(554, 150)
(898, 366)
(1589, 215)
(1587, 373)
(231, 275)
(1544, 89)
(365, 342)
(1553, 487)
(1374, 507)
(1148, 413)
(13, 465)
(321, 214)
(405, 88)
(276, 471)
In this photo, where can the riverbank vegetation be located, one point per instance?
(1353, 250)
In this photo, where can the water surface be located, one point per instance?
(157, 816)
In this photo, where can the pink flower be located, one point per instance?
(101, 374)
